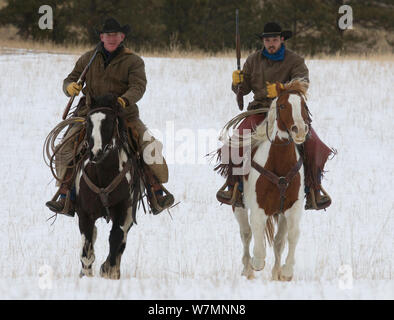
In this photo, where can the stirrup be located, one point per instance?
(236, 197)
(67, 204)
(156, 208)
(313, 205)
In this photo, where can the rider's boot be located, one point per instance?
(233, 195)
(160, 198)
(317, 199)
(63, 200)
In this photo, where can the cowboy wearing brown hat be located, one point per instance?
(262, 69)
(115, 69)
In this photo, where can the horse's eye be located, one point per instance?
(282, 106)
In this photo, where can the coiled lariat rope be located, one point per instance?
(51, 149)
(235, 139)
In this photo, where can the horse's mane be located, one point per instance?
(298, 85)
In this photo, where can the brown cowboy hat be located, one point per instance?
(273, 29)
(112, 25)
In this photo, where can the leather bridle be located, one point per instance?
(278, 118)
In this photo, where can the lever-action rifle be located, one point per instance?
(240, 99)
(81, 79)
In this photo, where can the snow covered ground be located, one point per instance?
(196, 254)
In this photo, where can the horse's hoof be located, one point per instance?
(108, 272)
(86, 272)
(248, 273)
(257, 265)
(285, 274)
(275, 274)
(285, 278)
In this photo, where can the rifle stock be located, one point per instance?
(237, 40)
(81, 79)
(240, 98)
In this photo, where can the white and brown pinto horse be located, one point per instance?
(274, 187)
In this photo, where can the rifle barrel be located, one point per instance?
(80, 80)
(237, 40)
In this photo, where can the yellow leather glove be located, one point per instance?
(122, 102)
(238, 77)
(271, 89)
(74, 88)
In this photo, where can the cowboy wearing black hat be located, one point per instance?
(117, 70)
(262, 69)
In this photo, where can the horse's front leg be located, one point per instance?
(258, 221)
(293, 217)
(89, 233)
(241, 215)
(110, 269)
(279, 244)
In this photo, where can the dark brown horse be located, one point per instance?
(108, 186)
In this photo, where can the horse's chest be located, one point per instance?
(102, 179)
(279, 162)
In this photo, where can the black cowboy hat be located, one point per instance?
(112, 25)
(273, 29)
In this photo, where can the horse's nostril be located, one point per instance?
(294, 129)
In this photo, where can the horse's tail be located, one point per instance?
(270, 228)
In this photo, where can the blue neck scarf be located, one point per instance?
(277, 56)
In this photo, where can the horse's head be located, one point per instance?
(292, 113)
(102, 126)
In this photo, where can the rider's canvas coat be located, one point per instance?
(258, 69)
(124, 76)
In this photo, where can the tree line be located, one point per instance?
(207, 25)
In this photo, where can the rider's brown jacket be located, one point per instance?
(258, 69)
(124, 76)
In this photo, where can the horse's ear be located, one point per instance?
(279, 87)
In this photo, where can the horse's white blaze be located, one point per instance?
(295, 101)
(97, 119)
